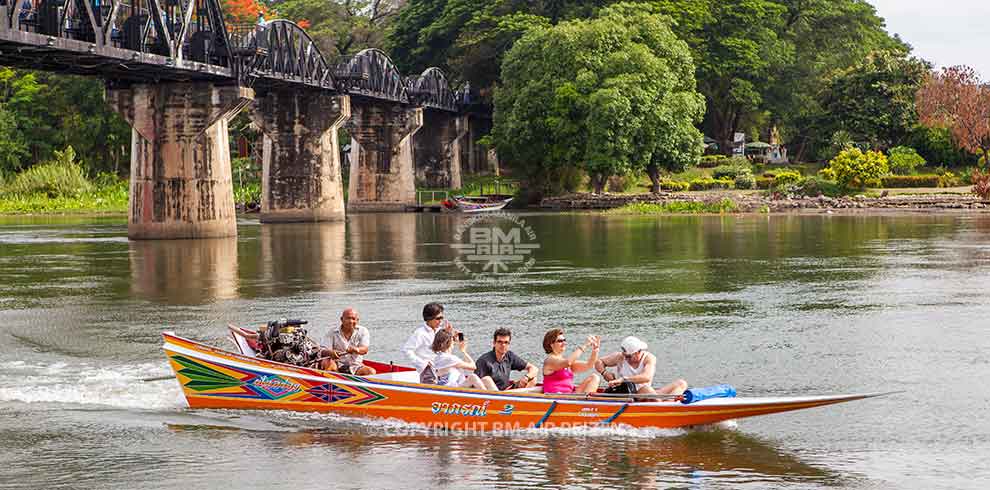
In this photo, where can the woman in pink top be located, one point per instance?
(558, 371)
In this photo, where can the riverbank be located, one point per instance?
(761, 202)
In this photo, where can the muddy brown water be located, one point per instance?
(774, 305)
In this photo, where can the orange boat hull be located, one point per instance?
(214, 378)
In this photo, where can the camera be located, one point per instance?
(460, 336)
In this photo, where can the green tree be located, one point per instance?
(739, 54)
(342, 27)
(608, 95)
(468, 38)
(826, 36)
(19, 118)
(874, 100)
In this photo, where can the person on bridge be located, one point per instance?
(346, 346)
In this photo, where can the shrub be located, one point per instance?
(966, 176)
(745, 181)
(904, 160)
(818, 186)
(721, 206)
(854, 169)
(901, 181)
(947, 178)
(705, 184)
(981, 184)
(764, 182)
(622, 183)
(786, 178)
(674, 186)
(709, 161)
(731, 171)
(59, 177)
(247, 193)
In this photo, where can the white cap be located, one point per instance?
(631, 345)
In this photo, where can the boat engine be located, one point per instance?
(286, 341)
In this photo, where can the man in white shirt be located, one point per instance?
(346, 346)
(419, 346)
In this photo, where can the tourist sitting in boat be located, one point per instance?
(451, 370)
(635, 369)
(559, 371)
(418, 347)
(346, 345)
(495, 365)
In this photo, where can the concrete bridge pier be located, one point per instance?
(180, 158)
(476, 158)
(436, 148)
(382, 177)
(301, 179)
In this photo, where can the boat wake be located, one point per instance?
(85, 384)
(396, 428)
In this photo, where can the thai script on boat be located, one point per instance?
(464, 410)
(275, 384)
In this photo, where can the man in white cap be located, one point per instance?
(634, 370)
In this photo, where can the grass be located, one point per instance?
(677, 207)
(473, 186)
(104, 199)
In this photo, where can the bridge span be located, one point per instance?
(177, 73)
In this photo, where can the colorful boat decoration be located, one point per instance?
(476, 204)
(217, 379)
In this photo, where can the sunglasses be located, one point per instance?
(437, 318)
(502, 342)
(560, 341)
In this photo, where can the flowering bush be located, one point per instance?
(786, 178)
(854, 169)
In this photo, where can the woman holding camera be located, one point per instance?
(452, 370)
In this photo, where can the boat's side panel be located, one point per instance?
(212, 378)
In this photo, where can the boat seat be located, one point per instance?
(534, 389)
(401, 376)
(236, 334)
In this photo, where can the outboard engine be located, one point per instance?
(286, 341)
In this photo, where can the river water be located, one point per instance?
(774, 305)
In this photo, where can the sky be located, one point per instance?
(944, 32)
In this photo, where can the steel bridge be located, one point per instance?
(177, 73)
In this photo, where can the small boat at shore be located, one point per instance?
(213, 378)
(476, 204)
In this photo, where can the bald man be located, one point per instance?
(346, 346)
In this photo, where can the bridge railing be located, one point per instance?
(345, 73)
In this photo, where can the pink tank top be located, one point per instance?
(561, 381)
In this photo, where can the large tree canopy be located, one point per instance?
(342, 27)
(873, 101)
(608, 95)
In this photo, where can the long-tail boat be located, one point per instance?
(214, 378)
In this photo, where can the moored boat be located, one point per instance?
(476, 204)
(218, 379)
